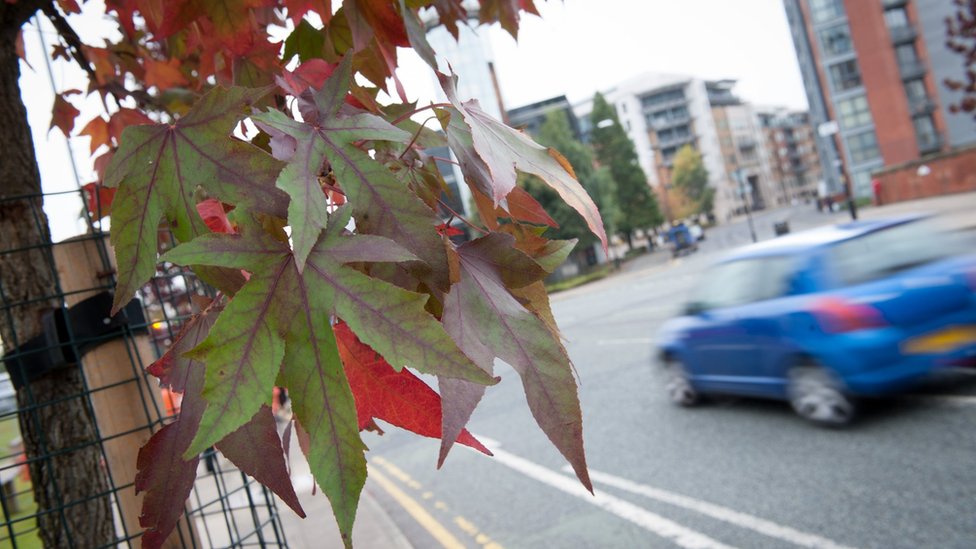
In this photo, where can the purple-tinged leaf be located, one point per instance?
(505, 150)
(255, 448)
(379, 201)
(481, 313)
(159, 167)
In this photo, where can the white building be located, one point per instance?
(661, 113)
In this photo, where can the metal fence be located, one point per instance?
(76, 403)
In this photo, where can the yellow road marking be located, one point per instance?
(428, 522)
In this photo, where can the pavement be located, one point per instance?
(375, 529)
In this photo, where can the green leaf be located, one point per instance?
(158, 169)
(305, 41)
(279, 321)
(381, 204)
(504, 150)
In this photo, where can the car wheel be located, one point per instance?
(677, 384)
(817, 396)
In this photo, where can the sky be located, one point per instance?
(579, 47)
(576, 48)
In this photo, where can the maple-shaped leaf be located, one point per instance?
(165, 475)
(98, 131)
(379, 201)
(504, 150)
(159, 167)
(279, 321)
(506, 12)
(64, 113)
(486, 321)
(164, 74)
(256, 449)
(98, 200)
(399, 398)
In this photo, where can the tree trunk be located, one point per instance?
(60, 438)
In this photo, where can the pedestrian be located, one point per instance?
(876, 187)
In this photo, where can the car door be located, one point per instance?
(717, 344)
(739, 329)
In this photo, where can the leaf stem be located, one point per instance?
(416, 136)
(407, 115)
(461, 217)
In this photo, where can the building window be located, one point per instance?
(836, 41)
(925, 134)
(845, 76)
(825, 10)
(896, 18)
(853, 112)
(862, 147)
(915, 90)
(907, 55)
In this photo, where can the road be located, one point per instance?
(732, 473)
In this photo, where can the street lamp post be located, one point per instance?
(745, 190)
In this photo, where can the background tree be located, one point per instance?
(690, 178)
(334, 315)
(961, 32)
(555, 132)
(616, 151)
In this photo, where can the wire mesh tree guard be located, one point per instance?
(84, 404)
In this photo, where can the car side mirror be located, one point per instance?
(694, 308)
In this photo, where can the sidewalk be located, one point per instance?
(374, 529)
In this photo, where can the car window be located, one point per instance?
(883, 253)
(745, 281)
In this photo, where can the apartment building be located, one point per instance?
(791, 143)
(873, 73)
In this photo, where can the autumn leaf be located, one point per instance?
(279, 322)
(164, 74)
(166, 475)
(486, 321)
(379, 202)
(64, 113)
(98, 200)
(399, 398)
(159, 167)
(505, 150)
(97, 130)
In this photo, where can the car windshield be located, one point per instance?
(882, 253)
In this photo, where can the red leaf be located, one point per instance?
(213, 214)
(98, 131)
(525, 208)
(298, 8)
(255, 448)
(399, 398)
(312, 73)
(98, 199)
(164, 74)
(449, 230)
(69, 6)
(64, 113)
(162, 472)
(19, 47)
(124, 118)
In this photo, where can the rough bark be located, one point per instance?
(58, 429)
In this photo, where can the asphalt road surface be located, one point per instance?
(731, 473)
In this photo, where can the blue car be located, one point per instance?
(821, 317)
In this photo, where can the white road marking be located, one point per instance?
(951, 400)
(763, 526)
(656, 524)
(625, 341)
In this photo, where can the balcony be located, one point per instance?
(888, 4)
(662, 123)
(674, 141)
(746, 143)
(903, 34)
(911, 69)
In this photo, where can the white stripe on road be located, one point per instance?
(656, 524)
(725, 514)
(625, 341)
